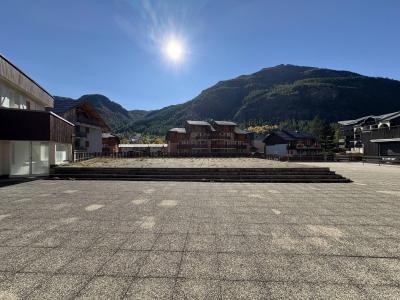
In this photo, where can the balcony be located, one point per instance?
(31, 125)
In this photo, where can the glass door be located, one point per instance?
(20, 158)
(29, 158)
(40, 158)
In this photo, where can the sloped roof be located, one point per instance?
(62, 105)
(239, 131)
(225, 123)
(290, 135)
(179, 130)
(106, 135)
(378, 118)
(355, 121)
(198, 123)
(390, 116)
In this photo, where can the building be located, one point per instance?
(110, 143)
(143, 149)
(89, 126)
(291, 143)
(257, 142)
(31, 138)
(372, 135)
(200, 137)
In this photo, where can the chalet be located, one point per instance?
(200, 137)
(372, 135)
(89, 126)
(110, 143)
(31, 138)
(291, 143)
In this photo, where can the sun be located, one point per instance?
(174, 50)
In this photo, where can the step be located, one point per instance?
(194, 176)
(335, 180)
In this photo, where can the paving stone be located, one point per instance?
(170, 242)
(161, 264)
(233, 266)
(151, 288)
(199, 265)
(197, 289)
(20, 285)
(124, 263)
(52, 261)
(59, 287)
(105, 287)
(244, 290)
(88, 263)
(140, 241)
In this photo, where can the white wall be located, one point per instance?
(95, 140)
(259, 145)
(11, 98)
(4, 157)
(278, 149)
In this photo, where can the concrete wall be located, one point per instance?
(4, 158)
(278, 149)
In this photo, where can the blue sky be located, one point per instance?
(114, 47)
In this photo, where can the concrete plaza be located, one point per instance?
(170, 240)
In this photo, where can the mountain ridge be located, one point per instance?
(270, 95)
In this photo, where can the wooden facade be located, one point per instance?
(202, 138)
(21, 82)
(26, 125)
(372, 146)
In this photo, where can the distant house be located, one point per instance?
(31, 138)
(372, 135)
(200, 137)
(89, 125)
(110, 143)
(142, 149)
(291, 142)
(257, 142)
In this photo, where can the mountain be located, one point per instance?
(281, 93)
(113, 113)
(271, 95)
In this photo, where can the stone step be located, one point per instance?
(293, 180)
(200, 176)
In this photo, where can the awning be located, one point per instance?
(386, 140)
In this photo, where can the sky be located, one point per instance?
(148, 54)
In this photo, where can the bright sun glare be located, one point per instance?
(174, 50)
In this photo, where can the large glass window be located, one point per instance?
(29, 158)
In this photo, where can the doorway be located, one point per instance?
(29, 158)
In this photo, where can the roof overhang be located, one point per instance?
(12, 75)
(385, 140)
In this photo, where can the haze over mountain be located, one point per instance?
(270, 95)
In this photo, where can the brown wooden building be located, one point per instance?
(202, 138)
(110, 143)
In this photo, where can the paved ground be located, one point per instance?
(163, 240)
(184, 163)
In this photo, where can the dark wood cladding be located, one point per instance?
(371, 148)
(27, 125)
(60, 131)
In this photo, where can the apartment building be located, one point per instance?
(372, 135)
(31, 138)
(201, 138)
(89, 126)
